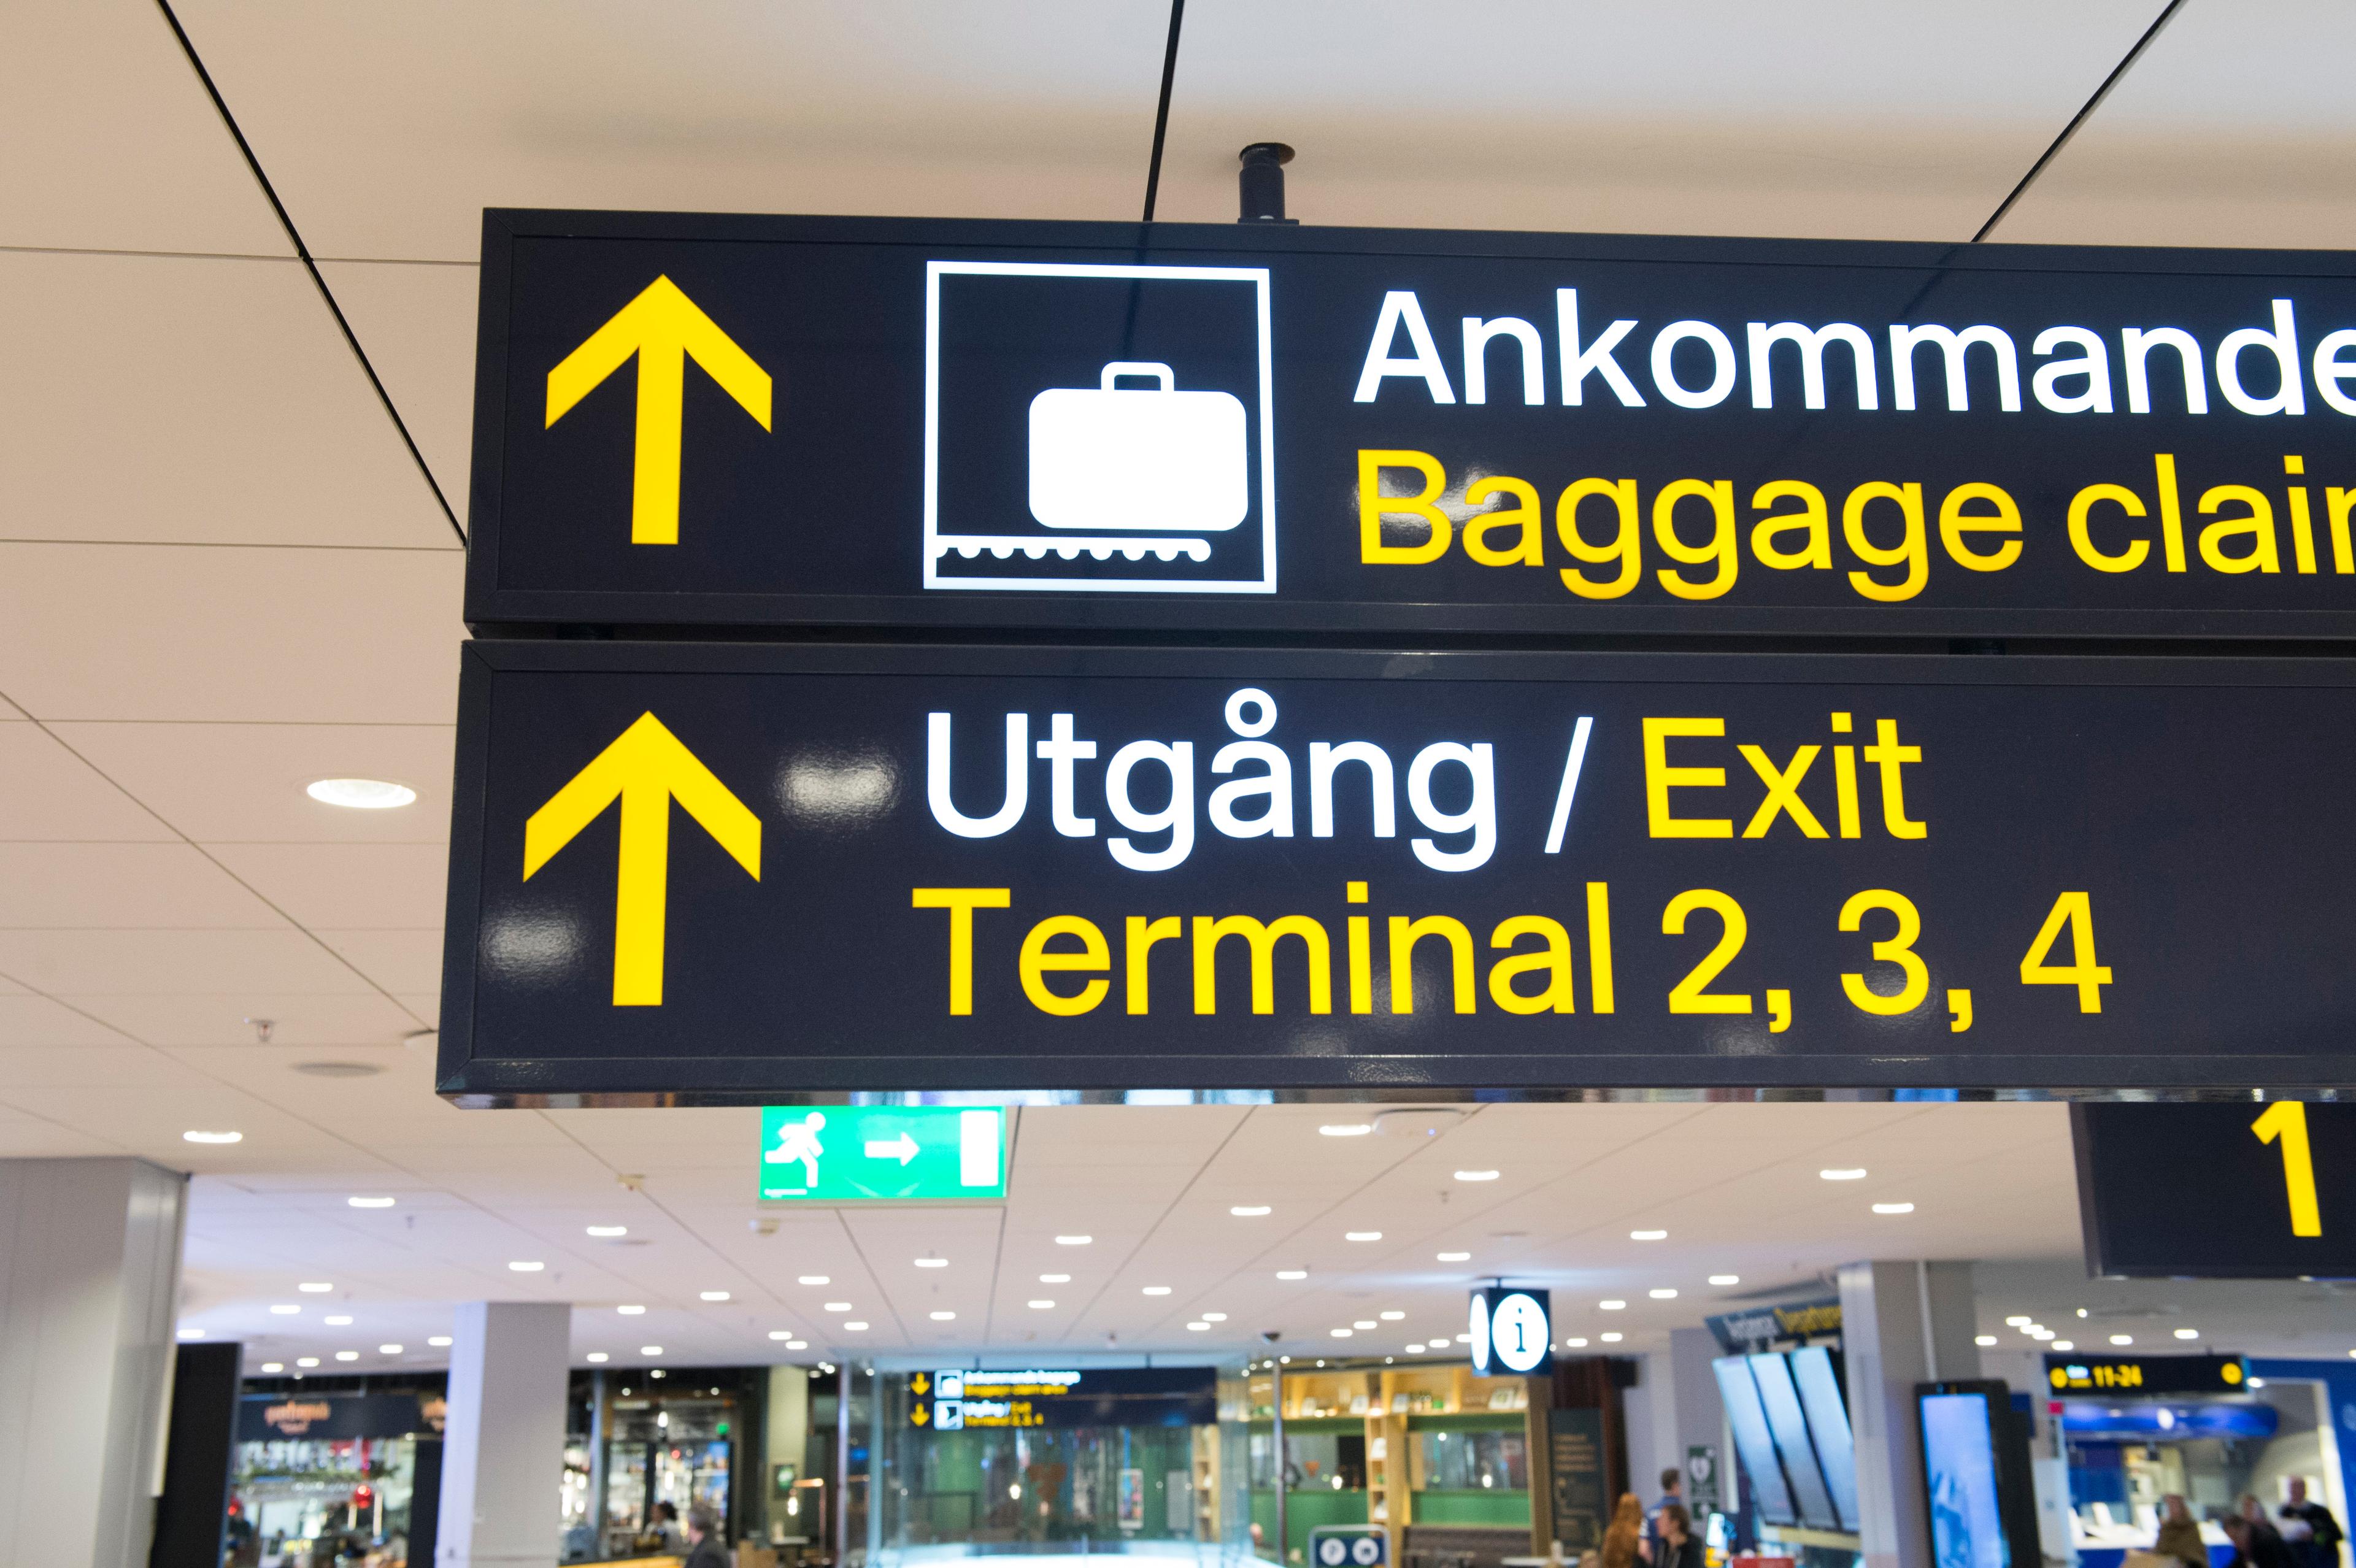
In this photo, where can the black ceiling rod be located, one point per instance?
(1162, 113)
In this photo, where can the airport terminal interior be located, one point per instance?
(345, 1224)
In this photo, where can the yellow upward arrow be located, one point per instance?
(645, 768)
(662, 326)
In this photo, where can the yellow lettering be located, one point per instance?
(960, 903)
(1094, 958)
(1660, 778)
(1373, 506)
(2081, 540)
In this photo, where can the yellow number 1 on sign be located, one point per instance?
(2286, 1123)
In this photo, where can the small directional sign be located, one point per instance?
(849, 1154)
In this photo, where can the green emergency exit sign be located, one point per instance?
(852, 1153)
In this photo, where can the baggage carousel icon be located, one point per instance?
(1136, 468)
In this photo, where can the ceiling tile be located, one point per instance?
(351, 886)
(232, 783)
(120, 885)
(416, 320)
(46, 791)
(266, 963)
(29, 1021)
(406, 963)
(106, 632)
(114, 145)
(216, 1021)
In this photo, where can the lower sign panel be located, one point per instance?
(730, 870)
(2218, 1191)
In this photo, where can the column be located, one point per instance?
(503, 1445)
(1901, 1323)
(90, 1268)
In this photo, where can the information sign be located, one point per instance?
(872, 421)
(2220, 1191)
(754, 870)
(959, 1401)
(844, 1154)
(2147, 1374)
(1511, 1331)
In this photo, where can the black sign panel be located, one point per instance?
(2263, 1191)
(740, 420)
(2146, 1374)
(736, 869)
(1575, 1472)
(1052, 1397)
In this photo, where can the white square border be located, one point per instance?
(934, 272)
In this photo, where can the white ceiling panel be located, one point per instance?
(244, 783)
(391, 887)
(251, 635)
(32, 1137)
(387, 138)
(253, 423)
(402, 961)
(296, 1022)
(262, 962)
(151, 885)
(113, 143)
(47, 792)
(416, 319)
(111, 1067)
(29, 1020)
(1836, 118)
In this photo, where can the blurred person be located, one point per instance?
(2179, 1534)
(1650, 1547)
(663, 1521)
(2255, 1545)
(706, 1550)
(2309, 1530)
(1623, 1541)
(1679, 1547)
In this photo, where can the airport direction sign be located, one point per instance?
(2270, 1192)
(813, 869)
(739, 420)
(905, 1153)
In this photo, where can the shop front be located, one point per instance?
(330, 1471)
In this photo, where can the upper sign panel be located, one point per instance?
(732, 421)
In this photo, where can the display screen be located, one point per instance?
(1753, 1444)
(1820, 1396)
(1959, 1471)
(1789, 1428)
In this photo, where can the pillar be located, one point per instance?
(199, 1454)
(503, 1442)
(1903, 1323)
(90, 1268)
(784, 1440)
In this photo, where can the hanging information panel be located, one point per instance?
(2218, 1191)
(741, 869)
(688, 420)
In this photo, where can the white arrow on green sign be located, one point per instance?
(904, 1153)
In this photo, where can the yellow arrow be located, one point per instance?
(920, 1385)
(662, 326)
(645, 768)
(917, 1415)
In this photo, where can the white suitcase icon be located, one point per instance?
(1143, 458)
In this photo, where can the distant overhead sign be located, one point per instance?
(844, 1154)
(746, 870)
(719, 420)
(1511, 1331)
(2271, 1194)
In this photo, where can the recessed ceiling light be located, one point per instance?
(1362, 1235)
(1648, 1235)
(1611, 1338)
(798, 1344)
(1390, 1317)
(2040, 1333)
(1455, 1257)
(526, 1265)
(1662, 1295)
(2018, 1320)
(838, 1306)
(192, 1334)
(2122, 1338)
(650, 1349)
(1054, 1279)
(315, 1288)
(1215, 1317)
(1414, 1349)
(1249, 1211)
(2082, 1312)
(943, 1317)
(932, 1262)
(1465, 1338)
(1156, 1290)
(598, 1357)
(388, 1349)
(348, 1355)
(1361, 1323)
(1198, 1326)
(273, 1366)
(1894, 1208)
(1347, 1129)
(1074, 1240)
(1612, 1306)
(814, 1279)
(339, 1321)
(1725, 1279)
(632, 1310)
(604, 1231)
(856, 1327)
(1340, 1333)
(2064, 1345)
(1476, 1175)
(2188, 1333)
(1854, 1173)
(1984, 1339)
(781, 1333)
(1292, 1273)
(195, 1137)
(1576, 1342)
(369, 1202)
(361, 795)
(439, 1341)
(285, 1308)
(1042, 1306)
(713, 1295)
(306, 1361)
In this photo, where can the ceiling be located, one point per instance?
(230, 565)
